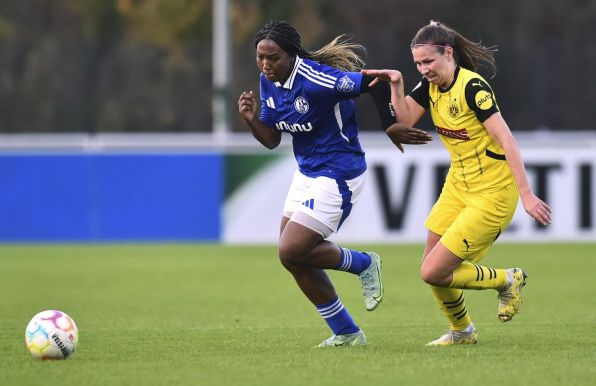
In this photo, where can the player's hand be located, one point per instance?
(392, 76)
(247, 106)
(537, 208)
(401, 134)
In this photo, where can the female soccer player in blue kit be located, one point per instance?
(486, 176)
(309, 95)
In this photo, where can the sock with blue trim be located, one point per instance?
(353, 261)
(337, 317)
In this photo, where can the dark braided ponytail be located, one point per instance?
(339, 53)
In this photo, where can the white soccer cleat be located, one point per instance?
(467, 336)
(347, 340)
(372, 284)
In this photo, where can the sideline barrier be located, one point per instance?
(110, 197)
(198, 188)
(401, 189)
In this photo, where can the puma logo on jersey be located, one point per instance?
(467, 245)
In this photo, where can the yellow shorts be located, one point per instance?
(469, 223)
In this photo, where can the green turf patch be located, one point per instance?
(214, 315)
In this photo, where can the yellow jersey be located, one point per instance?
(477, 161)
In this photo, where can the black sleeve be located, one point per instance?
(381, 95)
(420, 93)
(480, 98)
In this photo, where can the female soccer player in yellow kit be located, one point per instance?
(486, 177)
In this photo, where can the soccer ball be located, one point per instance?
(51, 335)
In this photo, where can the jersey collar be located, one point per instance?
(290, 81)
(455, 74)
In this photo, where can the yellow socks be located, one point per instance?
(466, 276)
(451, 301)
(472, 276)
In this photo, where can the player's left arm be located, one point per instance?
(500, 132)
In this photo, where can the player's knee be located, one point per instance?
(289, 255)
(286, 261)
(287, 264)
(429, 275)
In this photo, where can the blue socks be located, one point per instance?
(353, 261)
(337, 317)
(335, 314)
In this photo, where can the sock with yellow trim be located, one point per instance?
(472, 276)
(452, 303)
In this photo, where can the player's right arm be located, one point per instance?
(247, 107)
(407, 110)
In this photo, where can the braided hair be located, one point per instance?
(467, 53)
(339, 53)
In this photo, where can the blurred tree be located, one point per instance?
(145, 65)
(166, 23)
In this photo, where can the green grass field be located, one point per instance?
(214, 315)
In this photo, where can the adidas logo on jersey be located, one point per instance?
(309, 203)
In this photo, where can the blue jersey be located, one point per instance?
(315, 106)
